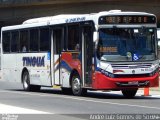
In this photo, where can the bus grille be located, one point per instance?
(131, 66)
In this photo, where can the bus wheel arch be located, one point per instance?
(74, 71)
(24, 70)
(66, 90)
(76, 84)
(26, 81)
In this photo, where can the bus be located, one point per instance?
(109, 50)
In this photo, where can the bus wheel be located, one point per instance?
(129, 93)
(77, 89)
(26, 83)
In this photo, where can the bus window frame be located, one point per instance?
(38, 30)
(28, 41)
(18, 45)
(79, 36)
(49, 30)
(3, 32)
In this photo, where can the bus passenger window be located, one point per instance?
(57, 38)
(44, 39)
(15, 41)
(24, 41)
(6, 42)
(34, 40)
(73, 37)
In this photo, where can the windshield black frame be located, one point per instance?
(127, 44)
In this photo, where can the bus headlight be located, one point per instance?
(154, 72)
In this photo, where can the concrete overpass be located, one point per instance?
(16, 11)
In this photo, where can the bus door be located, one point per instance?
(87, 53)
(57, 38)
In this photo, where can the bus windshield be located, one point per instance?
(126, 44)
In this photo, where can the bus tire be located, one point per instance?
(129, 93)
(26, 83)
(76, 86)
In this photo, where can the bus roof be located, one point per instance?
(69, 18)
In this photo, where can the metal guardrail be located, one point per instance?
(20, 1)
(17, 2)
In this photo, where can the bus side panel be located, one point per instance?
(65, 69)
(69, 61)
(65, 77)
(9, 67)
(38, 66)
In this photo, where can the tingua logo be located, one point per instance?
(33, 61)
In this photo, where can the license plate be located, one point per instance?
(133, 83)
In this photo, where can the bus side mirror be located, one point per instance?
(95, 40)
(158, 44)
(95, 36)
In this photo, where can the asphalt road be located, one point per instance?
(69, 107)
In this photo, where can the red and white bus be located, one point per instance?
(110, 50)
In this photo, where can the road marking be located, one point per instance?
(150, 96)
(138, 94)
(81, 99)
(8, 109)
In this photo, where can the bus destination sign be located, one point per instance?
(134, 19)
